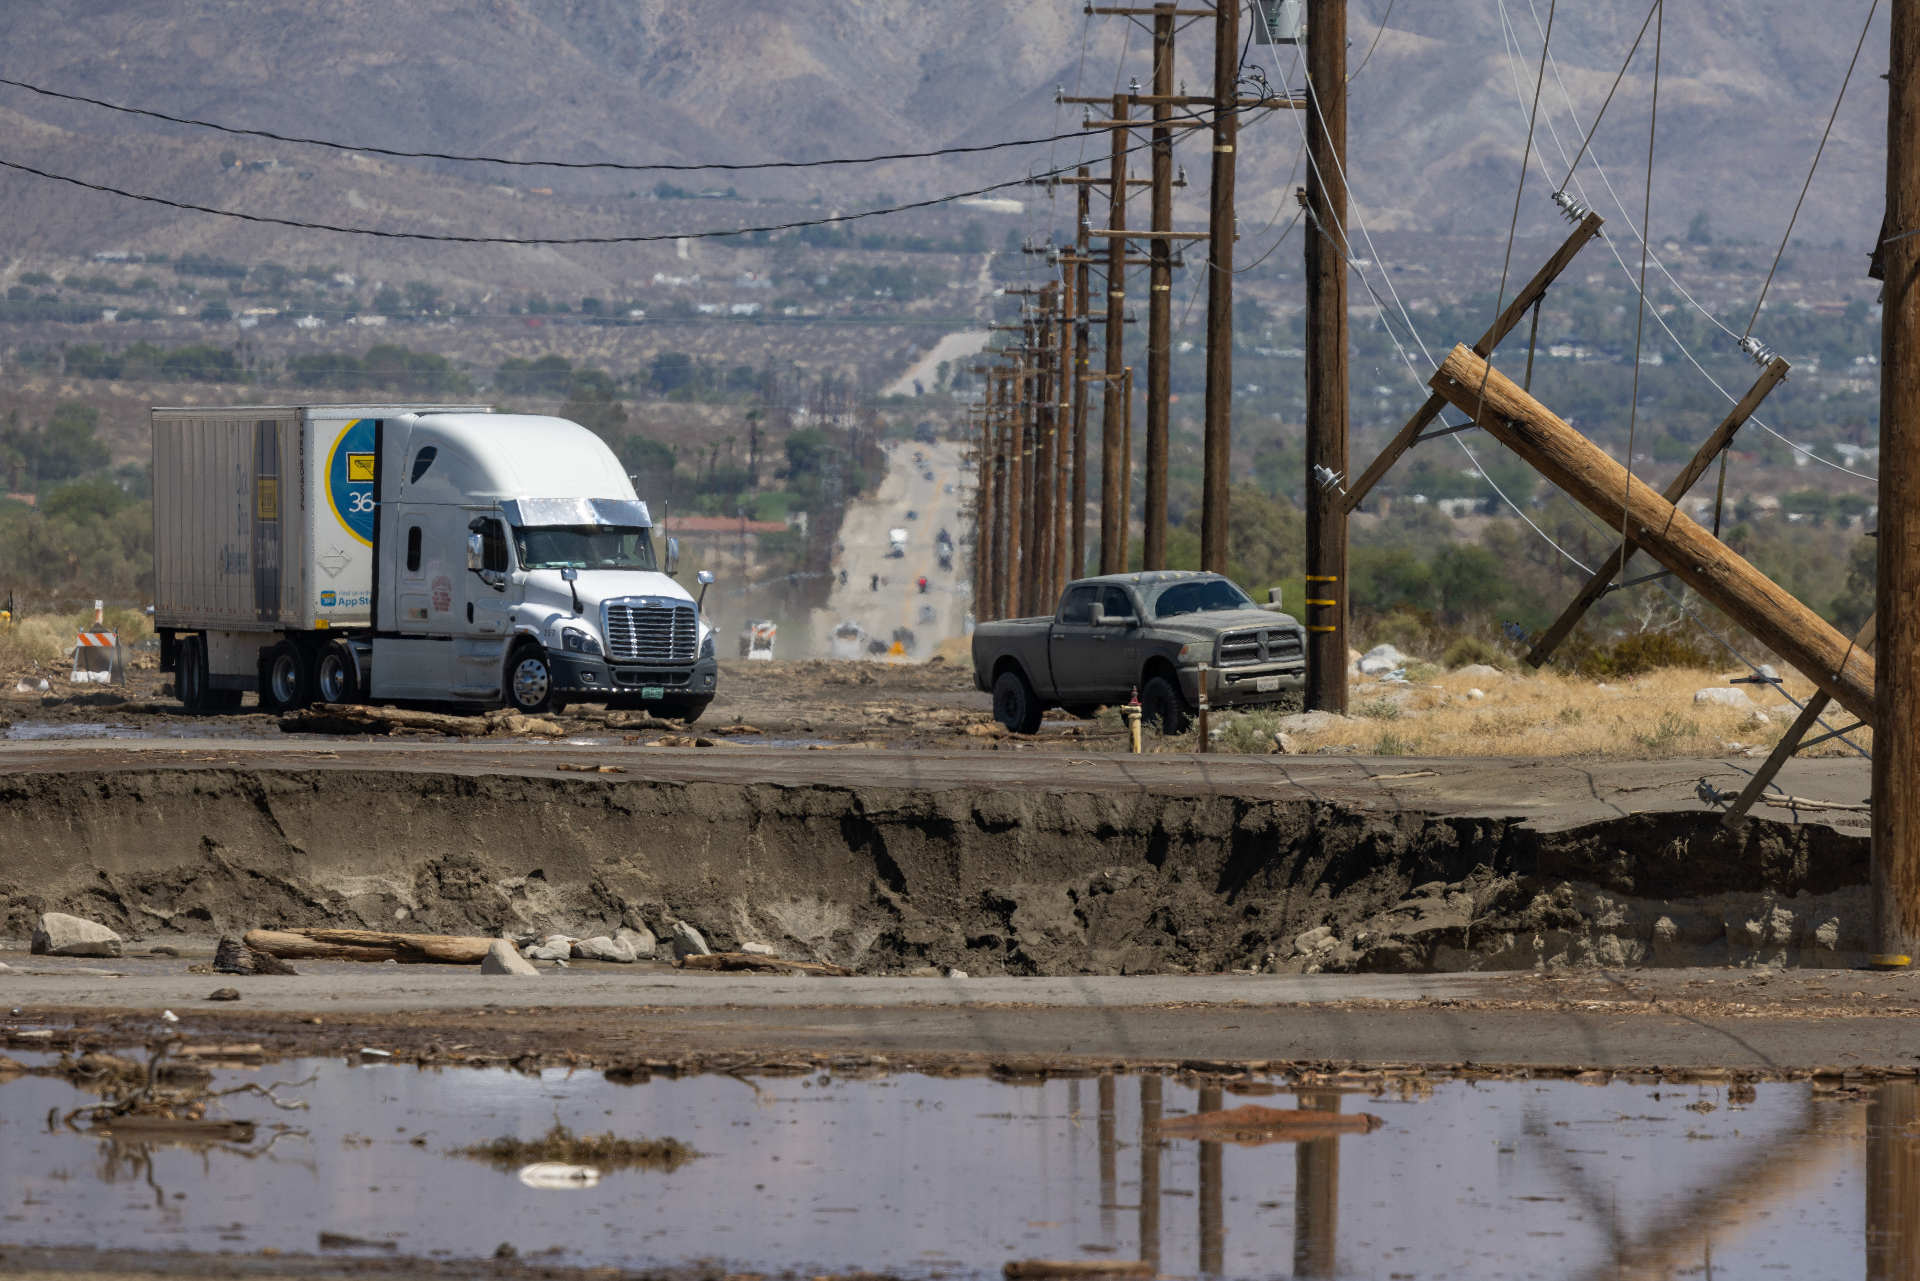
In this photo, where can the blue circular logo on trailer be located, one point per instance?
(350, 478)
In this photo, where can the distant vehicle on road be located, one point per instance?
(925, 433)
(756, 639)
(1151, 632)
(943, 548)
(897, 541)
(849, 640)
(913, 513)
(926, 475)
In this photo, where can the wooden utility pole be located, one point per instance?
(1081, 342)
(1045, 460)
(1023, 447)
(1153, 514)
(1896, 750)
(1064, 378)
(1594, 480)
(1001, 550)
(983, 512)
(1113, 500)
(1016, 489)
(1218, 455)
(1326, 294)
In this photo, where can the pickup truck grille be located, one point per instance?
(652, 633)
(1245, 648)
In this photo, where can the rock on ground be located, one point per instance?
(234, 957)
(1380, 660)
(1479, 672)
(1311, 722)
(503, 958)
(1725, 695)
(602, 948)
(759, 949)
(688, 941)
(61, 935)
(556, 947)
(641, 941)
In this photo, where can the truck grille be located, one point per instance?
(1245, 648)
(652, 633)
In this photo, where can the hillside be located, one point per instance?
(1438, 121)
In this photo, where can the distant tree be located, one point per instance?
(973, 237)
(91, 360)
(422, 296)
(389, 302)
(550, 375)
(86, 500)
(65, 447)
(1700, 230)
(229, 158)
(592, 307)
(673, 371)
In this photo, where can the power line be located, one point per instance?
(541, 240)
(538, 164)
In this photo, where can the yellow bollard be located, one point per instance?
(1132, 714)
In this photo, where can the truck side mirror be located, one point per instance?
(1097, 614)
(1273, 596)
(704, 577)
(476, 552)
(673, 557)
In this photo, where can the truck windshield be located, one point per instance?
(1207, 596)
(584, 547)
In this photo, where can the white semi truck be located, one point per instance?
(437, 554)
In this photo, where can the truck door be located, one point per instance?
(1073, 645)
(417, 664)
(1118, 660)
(483, 601)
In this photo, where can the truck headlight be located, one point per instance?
(1198, 652)
(578, 642)
(706, 646)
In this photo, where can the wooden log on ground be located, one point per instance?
(1039, 1269)
(752, 962)
(1598, 483)
(369, 945)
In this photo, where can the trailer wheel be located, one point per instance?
(190, 673)
(529, 681)
(286, 678)
(335, 678)
(1015, 705)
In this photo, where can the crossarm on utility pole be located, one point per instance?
(1589, 228)
(1789, 744)
(1721, 437)
(1597, 482)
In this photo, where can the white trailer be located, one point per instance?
(419, 553)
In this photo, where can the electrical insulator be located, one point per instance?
(1572, 206)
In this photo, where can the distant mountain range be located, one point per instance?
(1439, 116)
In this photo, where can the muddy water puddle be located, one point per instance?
(928, 1177)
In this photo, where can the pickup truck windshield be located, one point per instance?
(584, 547)
(1204, 597)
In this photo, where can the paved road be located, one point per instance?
(938, 613)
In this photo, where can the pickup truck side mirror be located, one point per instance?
(1273, 605)
(1097, 614)
(673, 557)
(1101, 618)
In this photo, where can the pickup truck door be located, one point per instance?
(1117, 665)
(1074, 645)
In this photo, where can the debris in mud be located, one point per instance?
(370, 945)
(137, 1102)
(224, 994)
(1252, 1125)
(356, 718)
(590, 769)
(341, 1241)
(554, 1176)
(234, 957)
(560, 1145)
(1042, 1269)
(58, 934)
(750, 961)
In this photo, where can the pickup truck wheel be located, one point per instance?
(529, 681)
(1014, 704)
(1162, 707)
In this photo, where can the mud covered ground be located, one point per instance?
(904, 705)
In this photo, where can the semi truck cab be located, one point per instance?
(436, 554)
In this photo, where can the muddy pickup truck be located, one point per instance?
(1151, 632)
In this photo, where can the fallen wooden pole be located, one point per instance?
(1696, 557)
(751, 962)
(1264, 1123)
(369, 945)
(1722, 437)
(1409, 435)
(1783, 750)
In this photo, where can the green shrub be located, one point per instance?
(1471, 649)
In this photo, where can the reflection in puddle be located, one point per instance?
(921, 1176)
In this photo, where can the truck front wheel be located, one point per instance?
(1015, 704)
(1162, 707)
(529, 681)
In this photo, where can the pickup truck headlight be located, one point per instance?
(1198, 652)
(706, 646)
(578, 642)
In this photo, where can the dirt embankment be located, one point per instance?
(988, 879)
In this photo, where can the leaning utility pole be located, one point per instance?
(1113, 495)
(1326, 293)
(1220, 227)
(1896, 751)
(1153, 514)
(1001, 551)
